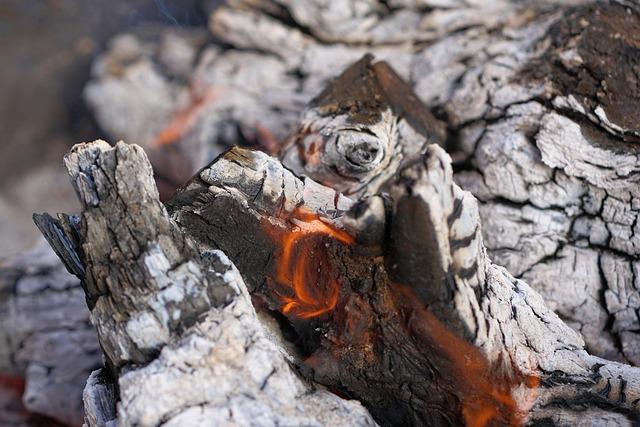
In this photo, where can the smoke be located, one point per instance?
(162, 7)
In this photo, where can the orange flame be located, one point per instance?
(301, 268)
(486, 394)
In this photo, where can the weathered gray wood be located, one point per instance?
(130, 279)
(559, 182)
(360, 129)
(542, 154)
(480, 302)
(536, 136)
(553, 164)
(99, 399)
(180, 336)
(45, 334)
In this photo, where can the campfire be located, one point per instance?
(315, 261)
(383, 295)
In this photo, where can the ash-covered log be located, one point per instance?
(424, 327)
(382, 294)
(465, 341)
(182, 341)
(539, 100)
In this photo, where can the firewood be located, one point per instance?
(435, 272)
(516, 91)
(182, 342)
(409, 315)
(395, 337)
(518, 85)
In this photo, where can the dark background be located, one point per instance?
(46, 50)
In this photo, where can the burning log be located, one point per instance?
(170, 309)
(518, 85)
(369, 274)
(182, 342)
(387, 296)
(385, 341)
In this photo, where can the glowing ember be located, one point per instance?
(306, 286)
(185, 119)
(303, 267)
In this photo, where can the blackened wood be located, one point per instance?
(379, 344)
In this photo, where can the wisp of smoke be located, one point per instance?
(165, 12)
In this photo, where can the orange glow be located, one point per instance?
(266, 140)
(185, 119)
(306, 286)
(486, 394)
(313, 150)
(12, 382)
(301, 266)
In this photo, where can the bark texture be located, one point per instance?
(182, 341)
(182, 338)
(539, 100)
(433, 225)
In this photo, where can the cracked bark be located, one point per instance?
(182, 342)
(404, 312)
(540, 129)
(180, 335)
(552, 163)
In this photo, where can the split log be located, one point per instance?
(45, 335)
(539, 123)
